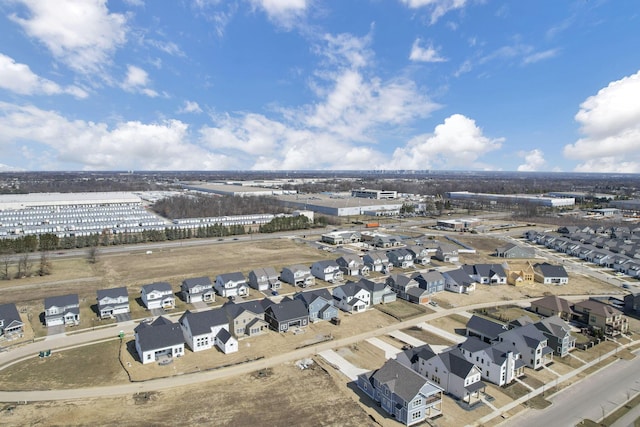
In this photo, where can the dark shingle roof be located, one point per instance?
(549, 270)
(224, 336)
(157, 286)
(61, 301)
(236, 276)
(288, 310)
(234, 309)
(196, 281)
(201, 322)
(486, 327)
(403, 381)
(112, 293)
(456, 363)
(161, 333)
(554, 303)
(9, 313)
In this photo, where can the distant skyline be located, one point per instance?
(540, 85)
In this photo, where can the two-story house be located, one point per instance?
(458, 281)
(161, 338)
(231, 285)
(319, 304)
(158, 295)
(380, 292)
(246, 319)
(377, 261)
(11, 325)
(204, 329)
(499, 363)
(264, 279)
(352, 265)
(113, 301)
(327, 270)
(62, 310)
(531, 343)
(449, 370)
(401, 258)
(197, 289)
(553, 305)
(421, 255)
(297, 275)
(558, 333)
(351, 297)
(446, 252)
(600, 316)
(286, 315)
(402, 393)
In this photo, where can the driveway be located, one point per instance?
(343, 365)
(200, 305)
(124, 317)
(406, 338)
(390, 351)
(55, 332)
(442, 333)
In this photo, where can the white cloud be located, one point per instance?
(533, 161)
(97, 146)
(610, 123)
(540, 56)
(286, 13)
(438, 8)
(137, 81)
(190, 107)
(424, 54)
(137, 3)
(7, 168)
(458, 143)
(167, 47)
(81, 34)
(19, 78)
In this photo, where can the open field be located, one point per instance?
(273, 397)
(403, 310)
(427, 336)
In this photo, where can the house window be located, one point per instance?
(416, 416)
(417, 402)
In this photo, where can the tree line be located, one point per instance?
(202, 206)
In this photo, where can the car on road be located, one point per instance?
(274, 293)
(433, 303)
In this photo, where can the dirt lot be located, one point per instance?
(283, 396)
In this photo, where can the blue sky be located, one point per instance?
(541, 85)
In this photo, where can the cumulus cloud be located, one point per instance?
(190, 107)
(610, 124)
(19, 78)
(97, 146)
(438, 8)
(81, 34)
(137, 81)
(458, 143)
(533, 161)
(285, 13)
(424, 54)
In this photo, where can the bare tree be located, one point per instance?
(45, 264)
(24, 265)
(93, 253)
(5, 262)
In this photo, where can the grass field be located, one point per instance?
(403, 310)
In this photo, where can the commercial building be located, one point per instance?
(554, 202)
(374, 194)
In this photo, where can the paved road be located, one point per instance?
(599, 393)
(31, 350)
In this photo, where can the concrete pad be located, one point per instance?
(200, 305)
(406, 338)
(442, 333)
(343, 365)
(465, 314)
(524, 384)
(390, 351)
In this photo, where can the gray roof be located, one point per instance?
(473, 344)
(488, 270)
(549, 270)
(61, 301)
(459, 276)
(350, 288)
(223, 335)
(326, 263)
(161, 333)
(9, 313)
(113, 293)
(267, 272)
(196, 281)
(431, 276)
(456, 363)
(157, 286)
(347, 258)
(372, 286)
(234, 309)
(554, 303)
(403, 381)
(400, 280)
(486, 327)
(424, 352)
(288, 310)
(236, 276)
(201, 322)
(310, 296)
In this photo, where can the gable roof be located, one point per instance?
(286, 310)
(549, 270)
(486, 327)
(196, 281)
(161, 333)
(234, 309)
(349, 258)
(459, 276)
(456, 362)
(372, 286)
(598, 308)
(403, 381)
(157, 286)
(350, 288)
(309, 296)
(236, 276)
(61, 301)
(201, 322)
(555, 303)
(326, 263)
(112, 293)
(224, 336)
(430, 276)
(9, 313)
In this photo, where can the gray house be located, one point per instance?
(485, 329)
(197, 289)
(162, 338)
(264, 278)
(62, 310)
(231, 284)
(377, 261)
(11, 324)
(558, 333)
(352, 265)
(297, 275)
(286, 315)
(511, 250)
(319, 304)
(401, 258)
(113, 301)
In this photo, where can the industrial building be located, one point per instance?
(554, 202)
(341, 205)
(234, 189)
(374, 194)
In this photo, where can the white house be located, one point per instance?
(458, 281)
(351, 297)
(231, 285)
(499, 363)
(197, 289)
(264, 278)
(113, 301)
(297, 275)
(327, 270)
(158, 295)
(62, 310)
(202, 329)
(162, 338)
